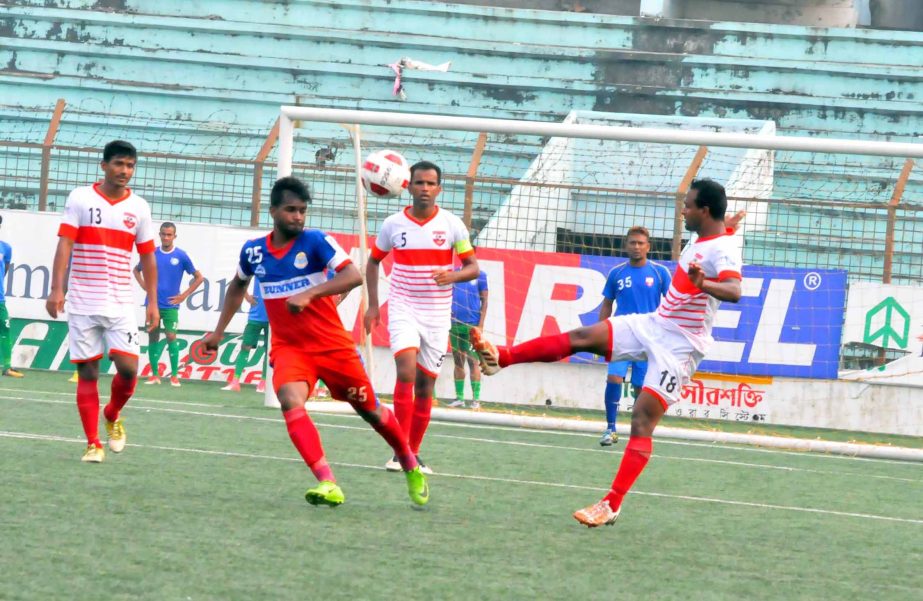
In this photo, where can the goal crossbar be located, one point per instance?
(577, 130)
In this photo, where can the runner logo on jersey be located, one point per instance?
(129, 220)
(260, 271)
(439, 238)
(301, 260)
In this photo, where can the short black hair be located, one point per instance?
(169, 224)
(712, 195)
(293, 185)
(638, 230)
(119, 148)
(426, 166)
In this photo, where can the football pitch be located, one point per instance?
(207, 502)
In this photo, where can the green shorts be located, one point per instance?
(460, 337)
(254, 332)
(170, 319)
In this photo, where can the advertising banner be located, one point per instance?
(788, 323)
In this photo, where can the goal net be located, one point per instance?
(548, 206)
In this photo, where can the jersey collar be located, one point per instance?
(110, 200)
(417, 221)
(279, 252)
(707, 238)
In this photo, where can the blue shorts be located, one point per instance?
(638, 371)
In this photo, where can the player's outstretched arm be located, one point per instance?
(233, 298)
(149, 270)
(605, 309)
(372, 317)
(733, 222)
(197, 279)
(727, 290)
(485, 296)
(138, 277)
(62, 254)
(345, 280)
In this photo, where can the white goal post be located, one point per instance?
(289, 114)
(555, 185)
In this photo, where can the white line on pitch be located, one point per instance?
(501, 442)
(867, 516)
(664, 441)
(660, 441)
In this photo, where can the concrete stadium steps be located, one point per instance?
(813, 251)
(848, 88)
(621, 76)
(378, 48)
(523, 26)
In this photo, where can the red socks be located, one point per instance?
(122, 389)
(637, 453)
(546, 349)
(88, 407)
(403, 404)
(306, 439)
(421, 412)
(388, 428)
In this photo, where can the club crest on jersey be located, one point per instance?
(649, 281)
(439, 238)
(129, 220)
(174, 261)
(301, 260)
(260, 271)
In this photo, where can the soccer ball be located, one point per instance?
(385, 174)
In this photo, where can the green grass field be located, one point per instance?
(207, 502)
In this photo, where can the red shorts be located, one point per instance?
(341, 370)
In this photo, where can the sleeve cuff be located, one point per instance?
(342, 265)
(243, 276)
(466, 254)
(729, 275)
(67, 231)
(378, 254)
(146, 248)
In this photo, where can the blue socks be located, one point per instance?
(613, 395)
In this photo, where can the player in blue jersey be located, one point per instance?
(172, 263)
(6, 342)
(256, 329)
(635, 286)
(469, 308)
(308, 339)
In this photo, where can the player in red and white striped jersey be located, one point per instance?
(673, 340)
(424, 238)
(100, 226)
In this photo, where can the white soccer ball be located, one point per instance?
(385, 174)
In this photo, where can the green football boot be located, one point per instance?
(417, 487)
(325, 493)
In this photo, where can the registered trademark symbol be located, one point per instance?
(812, 280)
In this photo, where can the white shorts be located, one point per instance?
(671, 357)
(89, 335)
(430, 343)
